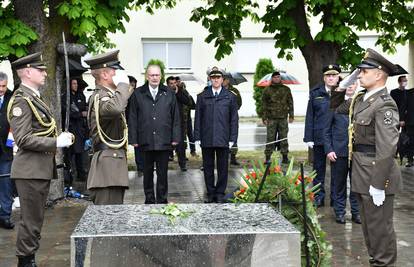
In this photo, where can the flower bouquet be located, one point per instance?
(285, 187)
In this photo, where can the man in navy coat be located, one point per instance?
(336, 149)
(216, 127)
(317, 118)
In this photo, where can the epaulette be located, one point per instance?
(233, 92)
(386, 97)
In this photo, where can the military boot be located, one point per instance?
(285, 159)
(233, 160)
(26, 261)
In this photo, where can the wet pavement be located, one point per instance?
(188, 187)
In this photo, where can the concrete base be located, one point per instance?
(214, 235)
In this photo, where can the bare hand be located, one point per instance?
(402, 123)
(135, 145)
(291, 120)
(332, 156)
(84, 113)
(174, 143)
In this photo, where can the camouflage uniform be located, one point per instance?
(277, 104)
(236, 92)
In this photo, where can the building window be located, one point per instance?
(176, 54)
(247, 53)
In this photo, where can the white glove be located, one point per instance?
(231, 144)
(310, 144)
(120, 77)
(349, 80)
(378, 196)
(65, 139)
(197, 142)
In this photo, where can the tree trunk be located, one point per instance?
(48, 29)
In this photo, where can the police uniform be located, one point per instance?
(108, 174)
(318, 114)
(34, 131)
(277, 105)
(374, 135)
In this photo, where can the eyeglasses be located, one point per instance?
(154, 75)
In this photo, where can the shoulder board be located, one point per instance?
(386, 97)
(234, 93)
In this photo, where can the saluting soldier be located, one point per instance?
(375, 174)
(34, 131)
(108, 174)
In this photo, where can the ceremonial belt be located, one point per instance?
(102, 146)
(363, 148)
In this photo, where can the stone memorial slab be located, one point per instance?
(213, 235)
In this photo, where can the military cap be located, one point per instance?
(31, 61)
(216, 73)
(374, 60)
(331, 69)
(105, 60)
(275, 73)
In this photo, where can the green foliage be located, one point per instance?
(162, 67)
(288, 20)
(14, 35)
(92, 20)
(263, 67)
(223, 20)
(287, 187)
(172, 211)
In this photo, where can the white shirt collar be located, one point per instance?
(153, 89)
(372, 92)
(214, 91)
(327, 89)
(34, 90)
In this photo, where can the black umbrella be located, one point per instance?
(235, 77)
(75, 68)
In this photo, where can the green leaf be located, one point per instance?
(87, 26)
(4, 31)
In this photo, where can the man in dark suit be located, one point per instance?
(183, 100)
(154, 125)
(6, 157)
(216, 126)
(317, 115)
(400, 97)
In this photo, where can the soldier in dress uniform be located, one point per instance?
(34, 131)
(375, 174)
(108, 174)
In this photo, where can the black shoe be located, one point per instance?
(6, 224)
(221, 200)
(183, 169)
(234, 162)
(340, 219)
(356, 218)
(26, 261)
(149, 201)
(371, 260)
(285, 159)
(210, 200)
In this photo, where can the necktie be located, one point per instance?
(1, 102)
(215, 94)
(154, 94)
